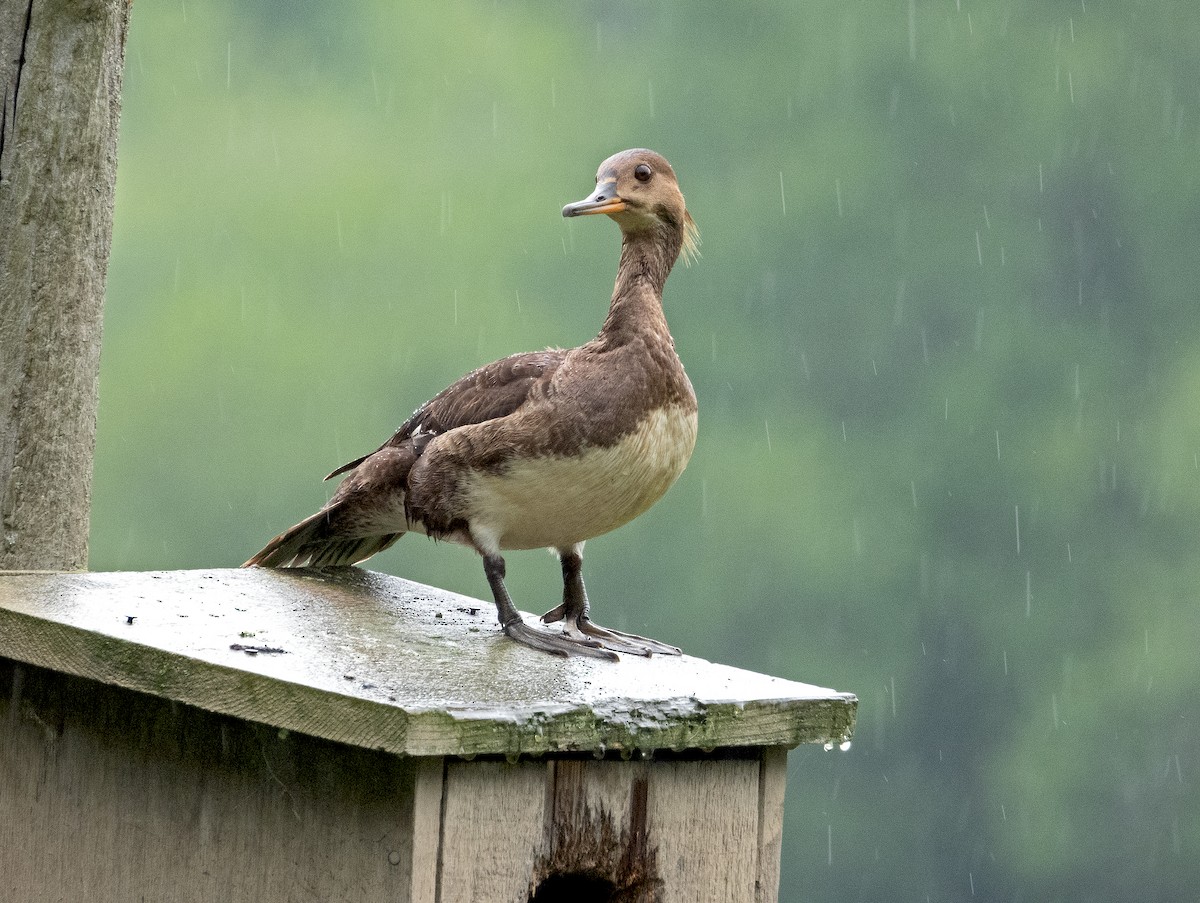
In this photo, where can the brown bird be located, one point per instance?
(545, 449)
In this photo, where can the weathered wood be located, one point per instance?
(146, 753)
(60, 74)
(384, 663)
(772, 782)
(427, 829)
(704, 821)
(498, 813)
(108, 794)
(111, 795)
(662, 831)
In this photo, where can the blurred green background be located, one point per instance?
(944, 335)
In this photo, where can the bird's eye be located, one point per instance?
(643, 172)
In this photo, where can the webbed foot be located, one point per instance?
(581, 626)
(563, 644)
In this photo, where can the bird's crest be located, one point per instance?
(691, 240)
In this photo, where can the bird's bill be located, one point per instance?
(603, 200)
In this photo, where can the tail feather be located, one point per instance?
(354, 524)
(312, 543)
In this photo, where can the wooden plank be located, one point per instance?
(493, 823)
(427, 829)
(772, 782)
(665, 831)
(383, 663)
(704, 819)
(110, 795)
(597, 830)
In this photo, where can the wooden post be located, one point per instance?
(60, 73)
(268, 735)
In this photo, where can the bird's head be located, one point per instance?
(638, 189)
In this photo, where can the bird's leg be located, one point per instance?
(517, 629)
(574, 613)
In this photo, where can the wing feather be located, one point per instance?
(495, 390)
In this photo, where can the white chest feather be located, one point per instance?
(557, 501)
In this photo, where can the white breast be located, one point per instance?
(557, 501)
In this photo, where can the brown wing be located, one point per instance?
(492, 391)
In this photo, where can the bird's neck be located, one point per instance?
(636, 308)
